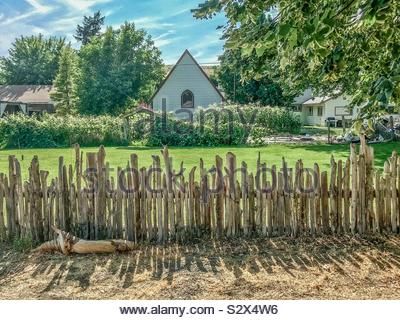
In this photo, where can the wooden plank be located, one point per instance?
(346, 197)
(136, 216)
(91, 178)
(325, 202)
(398, 189)
(11, 225)
(45, 208)
(169, 188)
(65, 199)
(265, 218)
(378, 201)
(394, 200)
(118, 206)
(287, 198)
(3, 235)
(354, 189)
(317, 198)
(159, 195)
(165, 208)
(191, 187)
(339, 198)
(281, 202)
(245, 199)
(333, 197)
(370, 194)
(312, 213)
(19, 201)
(238, 211)
(132, 225)
(362, 192)
(101, 194)
(36, 201)
(388, 194)
(231, 173)
(251, 203)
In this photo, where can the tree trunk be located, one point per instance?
(67, 243)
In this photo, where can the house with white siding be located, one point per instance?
(186, 87)
(316, 110)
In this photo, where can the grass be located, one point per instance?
(272, 154)
(319, 130)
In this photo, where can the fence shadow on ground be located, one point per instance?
(238, 257)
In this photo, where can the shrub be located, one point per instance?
(20, 131)
(230, 125)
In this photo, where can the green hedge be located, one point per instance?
(227, 126)
(20, 131)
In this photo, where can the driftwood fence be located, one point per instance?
(154, 204)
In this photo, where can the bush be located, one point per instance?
(20, 131)
(230, 125)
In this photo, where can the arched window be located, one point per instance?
(187, 99)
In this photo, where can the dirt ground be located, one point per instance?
(307, 268)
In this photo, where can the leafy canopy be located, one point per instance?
(117, 70)
(348, 45)
(32, 60)
(231, 76)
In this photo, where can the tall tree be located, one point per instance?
(91, 27)
(32, 60)
(118, 68)
(347, 45)
(231, 76)
(65, 83)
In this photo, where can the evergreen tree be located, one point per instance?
(90, 28)
(65, 82)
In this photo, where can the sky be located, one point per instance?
(169, 22)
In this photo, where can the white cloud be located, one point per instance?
(82, 5)
(152, 23)
(164, 39)
(38, 9)
(65, 24)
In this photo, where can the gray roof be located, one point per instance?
(316, 100)
(30, 94)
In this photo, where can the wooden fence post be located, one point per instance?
(3, 235)
(353, 198)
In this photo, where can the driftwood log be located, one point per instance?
(67, 243)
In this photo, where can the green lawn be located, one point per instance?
(272, 154)
(319, 130)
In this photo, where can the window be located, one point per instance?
(187, 99)
(310, 111)
(320, 111)
(164, 103)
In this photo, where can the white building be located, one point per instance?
(316, 110)
(186, 87)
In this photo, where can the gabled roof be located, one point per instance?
(173, 69)
(317, 100)
(30, 94)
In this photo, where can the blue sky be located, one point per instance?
(169, 22)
